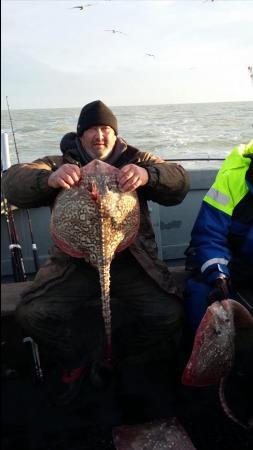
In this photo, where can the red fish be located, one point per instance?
(213, 349)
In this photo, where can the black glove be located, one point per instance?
(221, 290)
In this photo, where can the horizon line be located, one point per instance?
(130, 106)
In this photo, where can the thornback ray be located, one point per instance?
(94, 220)
(213, 348)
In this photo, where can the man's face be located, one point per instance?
(99, 141)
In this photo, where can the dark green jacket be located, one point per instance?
(26, 186)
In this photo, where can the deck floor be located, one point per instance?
(31, 422)
(134, 395)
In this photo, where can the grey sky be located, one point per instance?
(55, 56)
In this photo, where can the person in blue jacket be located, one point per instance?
(220, 257)
(221, 248)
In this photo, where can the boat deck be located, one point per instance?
(30, 422)
(133, 395)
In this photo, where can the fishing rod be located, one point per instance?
(17, 261)
(38, 376)
(34, 246)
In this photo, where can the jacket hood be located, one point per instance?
(240, 156)
(71, 146)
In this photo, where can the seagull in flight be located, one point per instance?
(79, 7)
(150, 54)
(250, 69)
(115, 31)
(83, 6)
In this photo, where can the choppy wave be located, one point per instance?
(170, 131)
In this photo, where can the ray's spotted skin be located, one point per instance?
(94, 220)
(158, 434)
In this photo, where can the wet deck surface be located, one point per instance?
(133, 396)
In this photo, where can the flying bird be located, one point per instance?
(115, 31)
(150, 54)
(250, 69)
(83, 6)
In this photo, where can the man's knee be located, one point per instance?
(26, 314)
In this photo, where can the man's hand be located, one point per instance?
(221, 290)
(64, 177)
(131, 177)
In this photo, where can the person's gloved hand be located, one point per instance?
(220, 291)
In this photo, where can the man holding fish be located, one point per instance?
(62, 308)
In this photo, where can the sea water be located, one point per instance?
(206, 130)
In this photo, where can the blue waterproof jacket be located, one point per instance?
(222, 237)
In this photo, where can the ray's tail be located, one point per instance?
(226, 408)
(104, 275)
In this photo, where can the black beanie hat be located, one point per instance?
(96, 113)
